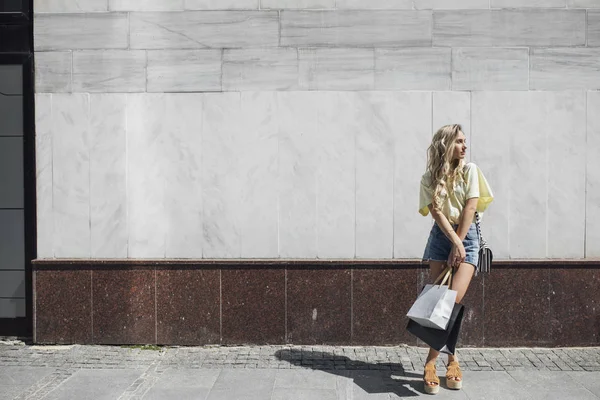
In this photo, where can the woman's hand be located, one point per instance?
(457, 255)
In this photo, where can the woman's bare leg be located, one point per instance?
(435, 269)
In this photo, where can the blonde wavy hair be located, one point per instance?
(443, 170)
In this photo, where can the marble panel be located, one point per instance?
(188, 306)
(43, 179)
(482, 28)
(147, 127)
(563, 117)
(490, 144)
(453, 108)
(375, 127)
(81, 31)
(109, 71)
(411, 139)
(336, 69)
(11, 172)
(593, 28)
(12, 308)
(53, 71)
(490, 69)
(319, 306)
(145, 5)
(355, 28)
(413, 69)
(206, 29)
(12, 239)
(374, 4)
(528, 3)
(297, 180)
(123, 306)
(222, 178)
(583, 4)
(71, 175)
(451, 5)
(258, 160)
(336, 186)
(108, 176)
(184, 70)
(222, 4)
(260, 69)
(380, 300)
(592, 193)
(253, 305)
(565, 69)
(297, 4)
(183, 149)
(63, 306)
(69, 6)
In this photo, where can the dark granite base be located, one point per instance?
(304, 302)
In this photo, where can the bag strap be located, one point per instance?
(482, 241)
(446, 274)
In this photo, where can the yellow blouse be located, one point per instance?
(473, 185)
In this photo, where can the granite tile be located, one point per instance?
(336, 69)
(204, 29)
(297, 4)
(355, 28)
(253, 306)
(108, 180)
(81, 31)
(145, 5)
(374, 5)
(490, 28)
(260, 69)
(62, 306)
(69, 6)
(490, 69)
(517, 308)
(43, 181)
(103, 71)
(188, 306)
(319, 306)
(222, 4)
(374, 117)
(592, 204)
(184, 70)
(412, 69)
(575, 306)
(124, 309)
(565, 69)
(380, 300)
(449, 5)
(472, 328)
(53, 71)
(528, 3)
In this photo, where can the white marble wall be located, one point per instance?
(299, 128)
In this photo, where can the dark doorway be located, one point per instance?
(17, 167)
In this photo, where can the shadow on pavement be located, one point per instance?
(371, 377)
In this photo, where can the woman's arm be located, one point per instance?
(466, 218)
(444, 224)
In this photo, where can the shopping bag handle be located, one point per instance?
(446, 274)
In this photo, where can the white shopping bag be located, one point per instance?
(433, 307)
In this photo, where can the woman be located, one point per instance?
(452, 191)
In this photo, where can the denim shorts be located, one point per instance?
(439, 246)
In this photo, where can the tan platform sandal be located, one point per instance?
(452, 373)
(431, 381)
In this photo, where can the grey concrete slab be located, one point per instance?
(17, 376)
(490, 385)
(551, 385)
(95, 384)
(315, 379)
(179, 393)
(9, 392)
(589, 380)
(243, 384)
(304, 394)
